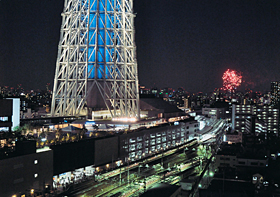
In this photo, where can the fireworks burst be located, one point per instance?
(231, 80)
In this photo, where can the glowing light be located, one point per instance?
(90, 123)
(231, 80)
(125, 119)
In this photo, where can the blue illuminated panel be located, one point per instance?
(102, 22)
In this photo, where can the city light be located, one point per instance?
(125, 119)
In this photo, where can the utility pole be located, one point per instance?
(161, 156)
(128, 171)
(139, 169)
(120, 176)
(112, 161)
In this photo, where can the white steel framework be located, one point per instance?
(96, 64)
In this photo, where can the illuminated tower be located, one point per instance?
(96, 64)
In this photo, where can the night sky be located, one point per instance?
(180, 43)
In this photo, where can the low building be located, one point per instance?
(233, 138)
(26, 172)
(6, 113)
(215, 113)
(16, 112)
(235, 156)
(158, 108)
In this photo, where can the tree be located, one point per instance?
(58, 134)
(81, 133)
(26, 129)
(63, 139)
(73, 138)
(67, 137)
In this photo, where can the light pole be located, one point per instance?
(120, 176)
(128, 170)
(139, 169)
(161, 156)
(179, 168)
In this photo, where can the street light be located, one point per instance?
(139, 169)
(128, 170)
(161, 156)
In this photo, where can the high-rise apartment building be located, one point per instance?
(270, 116)
(242, 112)
(275, 93)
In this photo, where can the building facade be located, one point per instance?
(26, 174)
(246, 118)
(275, 93)
(233, 161)
(270, 116)
(242, 112)
(6, 114)
(215, 113)
(138, 145)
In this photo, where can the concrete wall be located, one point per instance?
(70, 156)
(105, 150)
(6, 107)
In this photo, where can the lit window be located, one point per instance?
(35, 175)
(35, 161)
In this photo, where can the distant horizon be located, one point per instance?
(141, 85)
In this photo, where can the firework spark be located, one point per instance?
(231, 80)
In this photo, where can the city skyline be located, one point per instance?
(179, 43)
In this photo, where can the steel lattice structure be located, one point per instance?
(96, 65)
